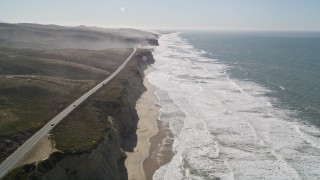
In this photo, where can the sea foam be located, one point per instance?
(226, 128)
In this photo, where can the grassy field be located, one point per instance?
(82, 130)
(35, 85)
(111, 108)
(69, 64)
(85, 128)
(27, 104)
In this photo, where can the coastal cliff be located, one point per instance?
(103, 159)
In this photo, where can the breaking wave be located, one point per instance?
(226, 128)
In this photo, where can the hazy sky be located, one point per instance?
(215, 14)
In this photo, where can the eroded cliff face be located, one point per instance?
(101, 163)
(106, 161)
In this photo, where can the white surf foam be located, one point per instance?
(226, 128)
(282, 88)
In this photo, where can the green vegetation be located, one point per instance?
(35, 171)
(22, 173)
(26, 105)
(81, 131)
(35, 85)
(69, 64)
(85, 128)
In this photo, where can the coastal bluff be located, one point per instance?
(104, 160)
(44, 68)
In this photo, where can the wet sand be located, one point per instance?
(148, 112)
(160, 152)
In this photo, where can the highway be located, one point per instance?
(9, 163)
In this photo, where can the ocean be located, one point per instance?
(240, 105)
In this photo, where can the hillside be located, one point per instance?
(44, 68)
(35, 85)
(60, 37)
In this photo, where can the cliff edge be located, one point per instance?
(90, 142)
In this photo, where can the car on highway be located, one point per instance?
(52, 124)
(74, 105)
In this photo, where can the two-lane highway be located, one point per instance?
(9, 163)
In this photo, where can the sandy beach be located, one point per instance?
(148, 112)
(160, 152)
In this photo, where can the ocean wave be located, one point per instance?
(226, 128)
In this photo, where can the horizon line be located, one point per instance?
(171, 27)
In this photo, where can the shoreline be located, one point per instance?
(160, 152)
(148, 112)
(154, 145)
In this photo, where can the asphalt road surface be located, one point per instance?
(9, 163)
